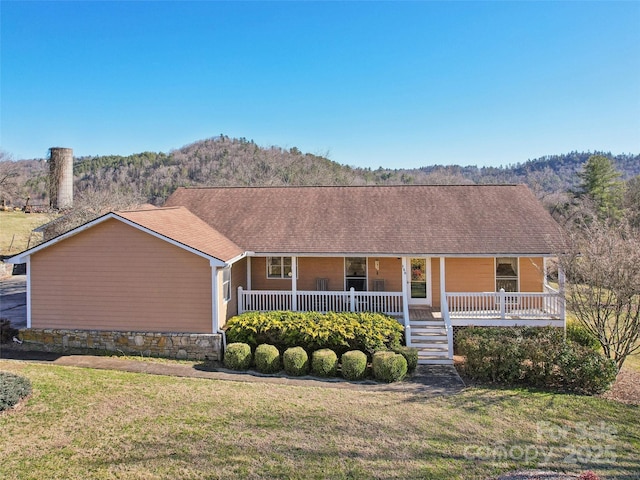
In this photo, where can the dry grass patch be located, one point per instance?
(17, 227)
(83, 423)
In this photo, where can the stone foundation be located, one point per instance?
(193, 346)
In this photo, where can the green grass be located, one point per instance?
(84, 423)
(632, 363)
(15, 230)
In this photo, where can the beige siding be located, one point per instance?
(531, 274)
(259, 280)
(332, 268)
(309, 269)
(115, 277)
(470, 275)
(312, 268)
(390, 271)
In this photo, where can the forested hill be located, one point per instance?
(226, 161)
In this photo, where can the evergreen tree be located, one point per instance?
(600, 184)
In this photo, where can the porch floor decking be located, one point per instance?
(423, 313)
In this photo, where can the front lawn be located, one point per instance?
(84, 423)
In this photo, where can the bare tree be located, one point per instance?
(8, 176)
(88, 205)
(603, 273)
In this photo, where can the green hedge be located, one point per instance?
(533, 356)
(354, 365)
(580, 335)
(410, 354)
(324, 363)
(237, 356)
(267, 359)
(12, 389)
(388, 366)
(296, 361)
(340, 332)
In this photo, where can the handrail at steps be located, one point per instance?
(447, 325)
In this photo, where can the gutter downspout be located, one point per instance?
(28, 262)
(215, 310)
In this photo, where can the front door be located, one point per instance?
(419, 288)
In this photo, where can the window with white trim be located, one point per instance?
(226, 283)
(507, 274)
(355, 273)
(279, 267)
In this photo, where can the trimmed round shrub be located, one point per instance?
(324, 363)
(410, 354)
(267, 358)
(12, 389)
(237, 356)
(389, 366)
(354, 365)
(296, 361)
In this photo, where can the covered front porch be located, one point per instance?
(461, 308)
(430, 299)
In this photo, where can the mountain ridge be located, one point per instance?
(225, 161)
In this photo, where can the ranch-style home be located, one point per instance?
(165, 280)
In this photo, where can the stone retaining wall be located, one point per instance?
(194, 346)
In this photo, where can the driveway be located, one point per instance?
(13, 300)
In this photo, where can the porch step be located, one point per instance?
(430, 338)
(434, 361)
(427, 323)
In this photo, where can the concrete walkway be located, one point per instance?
(427, 381)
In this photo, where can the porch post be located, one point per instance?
(248, 273)
(442, 284)
(294, 284)
(503, 310)
(405, 303)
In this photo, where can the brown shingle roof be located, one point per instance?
(416, 219)
(182, 226)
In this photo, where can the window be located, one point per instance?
(278, 267)
(419, 278)
(355, 273)
(507, 274)
(226, 283)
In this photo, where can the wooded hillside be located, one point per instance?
(227, 161)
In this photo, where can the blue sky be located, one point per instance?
(392, 84)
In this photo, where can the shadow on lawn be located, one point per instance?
(7, 352)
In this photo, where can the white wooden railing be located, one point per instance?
(491, 305)
(458, 308)
(389, 303)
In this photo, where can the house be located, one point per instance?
(436, 257)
